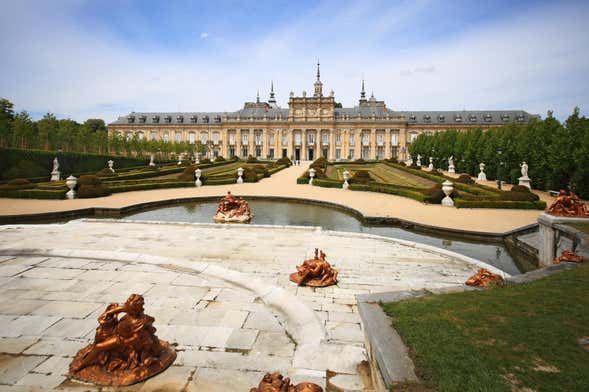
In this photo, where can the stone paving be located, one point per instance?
(219, 293)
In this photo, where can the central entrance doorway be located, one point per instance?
(297, 154)
(311, 154)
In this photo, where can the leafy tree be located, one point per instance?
(6, 117)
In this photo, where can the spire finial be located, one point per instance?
(272, 98)
(363, 92)
(258, 96)
(318, 73)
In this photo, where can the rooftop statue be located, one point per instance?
(275, 382)
(316, 272)
(484, 278)
(568, 205)
(233, 209)
(124, 351)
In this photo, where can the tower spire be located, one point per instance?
(318, 72)
(363, 92)
(258, 96)
(272, 99)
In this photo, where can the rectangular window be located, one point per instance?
(297, 139)
(178, 137)
(311, 138)
(152, 136)
(394, 139)
(271, 139)
(412, 137)
(215, 153)
(338, 154)
(284, 140)
(352, 140)
(245, 138)
(231, 152)
(366, 139)
(380, 153)
(244, 152)
(325, 138)
(379, 139)
(232, 139)
(351, 154)
(271, 153)
(216, 138)
(365, 152)
(258, 152)
(258, 139)
(166, 137)
(338, 139)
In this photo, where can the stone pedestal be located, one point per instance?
(451, 169)
(482, 176)
(551, 239)
(71, 183)
(346, 175)
(55, 175)
(525, 181)
(239, 174)
(447, 188)
(311, 175)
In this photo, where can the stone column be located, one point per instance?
(238, 142)
(290, 143)
(359, 146)
(373, 143)
(332, 146)
(303, 144)
(387, 143)
(252, 143)
(265, 143)
(403, 144)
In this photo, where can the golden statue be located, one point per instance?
(568, 256)
(275, 382)
(316, 272)
(568, 205)
(233, 209)
(124, 351)
(485, 278)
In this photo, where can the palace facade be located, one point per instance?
(311, 126)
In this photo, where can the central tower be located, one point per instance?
(318, 85)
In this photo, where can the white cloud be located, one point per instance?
(204, 35)
(536, 62)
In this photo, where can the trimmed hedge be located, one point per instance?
(90, 186)
(34, 194)
(69, 162)
(523, 205)
(151, 185)
(17, 183)
(328, 183)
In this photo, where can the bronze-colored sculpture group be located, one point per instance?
(485, 278)
(124, 351)
(568, 256)
(315, 272)
(275, 382)
(568, 204)
(233, 209)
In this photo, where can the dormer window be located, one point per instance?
(505, 117)
(155, 119)
(205, 119)
(427, 118)
(168, 119)
(180, 119)
(413, 117)
(217, 119)
(458, 118)
(441, 118)
(472, 118)
(131, 119)
(520, 118)
(488, 118)
(142, 119)
(193, 119)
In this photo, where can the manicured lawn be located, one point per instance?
(584, 227)
(517, 338)
(380, 172)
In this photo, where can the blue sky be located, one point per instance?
(82, 59)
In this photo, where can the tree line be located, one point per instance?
(557, 153)
(18, 130)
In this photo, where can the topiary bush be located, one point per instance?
(284, 161)
(188, 173)
(415, 166)
(219, 159)
(402, 163)
(520, 188)
(106, 172)
(518, 196)
(319, 163)
(359, 160)
(361, 177)
(251, 159)
(91, 186)
(392, 160)
(205, 160)
(464, 179)
(436, 173)
(262, 169)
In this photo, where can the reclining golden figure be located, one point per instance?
(275, 382)
(124, 351)
(316, 272)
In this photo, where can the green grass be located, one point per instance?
(501, 339)
(584, 227)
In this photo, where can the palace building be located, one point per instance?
(311, 126)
